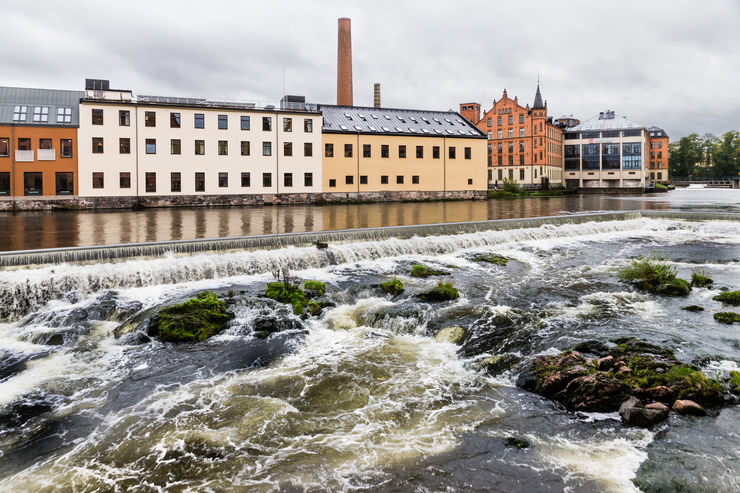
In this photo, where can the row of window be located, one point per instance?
(511, 158)
(350, 180)
(150, 180)
(656, 145)
(41, 114)
(150, 147)
(33, 183)
(199, 121)
(605, 134)
(26, 144)
(385, 151)
(509, 120)
(603, 156)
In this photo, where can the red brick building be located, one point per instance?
(658, 149)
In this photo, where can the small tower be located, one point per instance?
(471, 112)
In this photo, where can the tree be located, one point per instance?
(686, 155)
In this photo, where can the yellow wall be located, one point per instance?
(443, 174)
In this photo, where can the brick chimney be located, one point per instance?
(344, 63)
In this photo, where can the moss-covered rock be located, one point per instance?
(314, 289)
(393, 287)
(192, 321)
(655, 277)
(453, 334)
(443, 291)
(287, 293)
(735, 382)
(315, 308)
(491, 259)
(674, 287)
(321, 245)
(700, 279)
(419, 270)
(729, 298)
(693, 308)
(727, 317)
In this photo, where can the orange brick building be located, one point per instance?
(658, 148)
(38, 141)
(523, 143)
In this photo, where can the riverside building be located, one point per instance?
(38, 142)
(523, 143)
(658, 143)
(401, 153)
(182, 148)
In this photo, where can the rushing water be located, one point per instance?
(32, 230)
(361, 398)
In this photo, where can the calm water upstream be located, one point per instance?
(361, 398)
(31, 230)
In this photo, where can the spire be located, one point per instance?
(538, 98)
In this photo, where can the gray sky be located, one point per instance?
(671, 63)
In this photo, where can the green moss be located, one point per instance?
(693, 308)
(674, 287)
(418, 270)
(735, 381)
(654, 276)
(194, 320)
(727, 317)
(491, 259)
(392, 287)
(729, 298)
(700, 279)
(443, 291)
(316, 307)
(659, 187)
(314, 289)
(287, 293)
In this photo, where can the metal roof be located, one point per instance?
(656, 132)
(538, 104)
(392, 121)
(51, 99)
(606, 120)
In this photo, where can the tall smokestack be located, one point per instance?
(376, 95)
(344, 63)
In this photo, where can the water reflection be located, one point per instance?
(31, 230)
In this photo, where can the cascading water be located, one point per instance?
(361, 397)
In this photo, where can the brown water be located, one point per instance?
(33, 230)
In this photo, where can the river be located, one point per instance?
(55, 229)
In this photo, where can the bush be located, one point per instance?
(729, 298)
(314, 289)
(511, 186)
(443, 291)
(192, 321)
(392, 287)
(699, 278)
(287, 293)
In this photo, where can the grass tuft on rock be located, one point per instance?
(727, 317)
(393, 287)
(314, 289)
(285, 292)
(700, 279)
(735, 381)
(192, 321)
(655, 277)
(491, 259)
(443, 291)
(729, 298)
(419, 270)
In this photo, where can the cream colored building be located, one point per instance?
(396, 150)
(154, 146)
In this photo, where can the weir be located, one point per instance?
(109, 253)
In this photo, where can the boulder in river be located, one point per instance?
(192, 321)
(686, 406)
(727, 317)
(634, 413)
(453, 334)
(443, 291)
(729, 298)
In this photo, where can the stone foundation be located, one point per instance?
(93, 203)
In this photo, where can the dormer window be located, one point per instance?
(41, 114)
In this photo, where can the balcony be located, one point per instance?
(46, 154)
(24, 156)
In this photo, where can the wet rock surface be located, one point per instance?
(634, 413)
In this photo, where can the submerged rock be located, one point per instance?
(729, 298)
(727, 317)
(491, 258)
(192, 321)
(443, 291)
(494, 365)
(419, 270)
(693, 308)
(519, 443)
(393, 287)
(453, 334)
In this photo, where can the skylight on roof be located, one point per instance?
(343, 127)
(437, 120)
(412, 130)
(425, 130)
(375, 117)
(387, 117)
(372, 128)
(425, 120)
(450, 131)
(357, 127)
(438, 130)
(399, 129)
(386, 129)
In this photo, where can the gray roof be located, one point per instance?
(656, 132)
(538, 104)
(52, 99)
(606, 120)
(391, 121)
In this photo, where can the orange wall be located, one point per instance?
(48, 168)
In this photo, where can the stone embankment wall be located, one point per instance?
(93, 203)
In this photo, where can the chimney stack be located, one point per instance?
(376, 95)
(344, 63)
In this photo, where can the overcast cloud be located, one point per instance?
(671, 63)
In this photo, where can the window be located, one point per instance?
(500, 174)
(200, 120)
(287, 124)
(402, 152)
(308, 125)
(521, 118)
(366, 150)
(175, 122)
(490, 135)
(363, 179)
(572, 157)
(4, 147)
(151, 146)
(200, 147)
(223, 147)
(468, 153)
(660, 175)
(521, 146)
(267, 180)
(489, 122)
(97, 117)
(660, 154)
(200, 181)
(419, 152)
(33, 183)
(175, 182)
(399, 179)
(175, 146)
(384, 179)
(511, 174)
(510, 147)
(246, 179)
(124, 180)
(124, 145)
(97, 180)
(329, 150)
(590, 135)
(223, 179)
(652, 154)
(510, 120)
(451, 153)
(521, 160)
(435, 152)
(64, 183)
(307, 179)
(415, 179)
(64, 115)
(65, 146)
(610, 156)
(151, 182)
(287, 179)
(511, 133)
(45, 144)
(347, 150)
(150, 119)
(349, 180)
(223, 122)
(245, 147)
(287, 149)
(267, 148)
(308, 149)
(500, 134)
(245, 122)
(470, 181)
(97, 145)
(521, 174)
(660, 146)
(590, 154)
(631, 155)
(498, 121)
(266, 124)
(332, 183)
(384, 151)
(511, 160)
(521, 131)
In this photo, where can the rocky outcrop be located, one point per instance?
(634, 413)
(453, 335)
(192, 321)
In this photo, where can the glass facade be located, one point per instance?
(631, 155)
(573, 157)
(609, 156)
(590, 156)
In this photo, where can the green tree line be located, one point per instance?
(705, 156)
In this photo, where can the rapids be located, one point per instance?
(362, 397)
